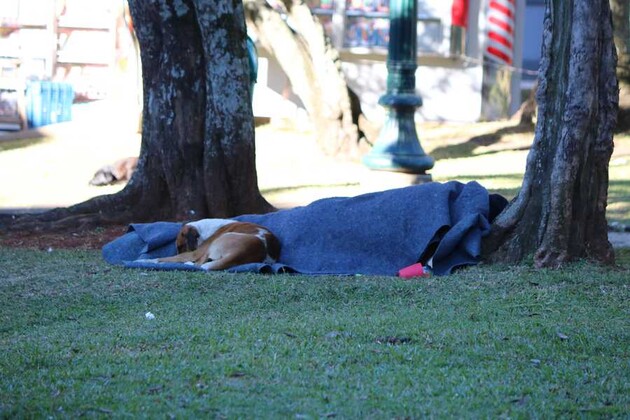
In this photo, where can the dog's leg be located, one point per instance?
(184, 257)
(227, 261)
(234, 249)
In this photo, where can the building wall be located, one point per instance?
(532, 40)
(449, 83)
(450, 91)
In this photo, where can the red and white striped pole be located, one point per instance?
(500, 31)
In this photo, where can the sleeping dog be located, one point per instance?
(218, 244)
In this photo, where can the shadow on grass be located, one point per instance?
(467, 148)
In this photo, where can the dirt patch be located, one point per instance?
(96, 238)
(88, 239)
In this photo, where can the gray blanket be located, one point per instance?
(377, 233)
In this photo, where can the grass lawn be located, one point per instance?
(495, 153)
(484, 342)
(492, 153)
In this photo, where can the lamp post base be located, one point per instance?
(397, 162)
(397, 147)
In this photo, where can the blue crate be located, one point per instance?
(48, 103)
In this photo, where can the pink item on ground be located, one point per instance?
(414, 270)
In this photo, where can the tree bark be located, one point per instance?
(559, 213)
(197, 156)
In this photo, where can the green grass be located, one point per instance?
(6, 145)
(486, 342)
(495, 155)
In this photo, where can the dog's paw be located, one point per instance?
(207, 266)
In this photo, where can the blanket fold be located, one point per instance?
(376, 233)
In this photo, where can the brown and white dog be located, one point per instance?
(218, 244)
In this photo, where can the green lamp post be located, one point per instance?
(397, 147)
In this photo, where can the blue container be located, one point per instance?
(48, 103)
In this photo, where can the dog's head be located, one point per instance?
(187, 239)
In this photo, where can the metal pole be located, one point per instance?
(397, 147)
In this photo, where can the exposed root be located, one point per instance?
(545, 258)
(103, 210)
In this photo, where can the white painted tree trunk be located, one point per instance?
(296, 39)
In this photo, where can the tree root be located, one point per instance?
(99, 211)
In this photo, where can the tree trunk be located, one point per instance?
(198, 132)
(197, 156)
(290, 32)
(559, 213)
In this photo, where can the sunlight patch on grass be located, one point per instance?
(436, 132)
(619, 169)
(506, 185)
(618, 211)
(507, 163)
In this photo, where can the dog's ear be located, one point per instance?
(192, 238)
(187, 239)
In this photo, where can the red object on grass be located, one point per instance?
(414, 270)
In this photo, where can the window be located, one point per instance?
(365, 24)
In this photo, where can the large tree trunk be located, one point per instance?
(559, 213)
(197, 157)
(198, 133)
